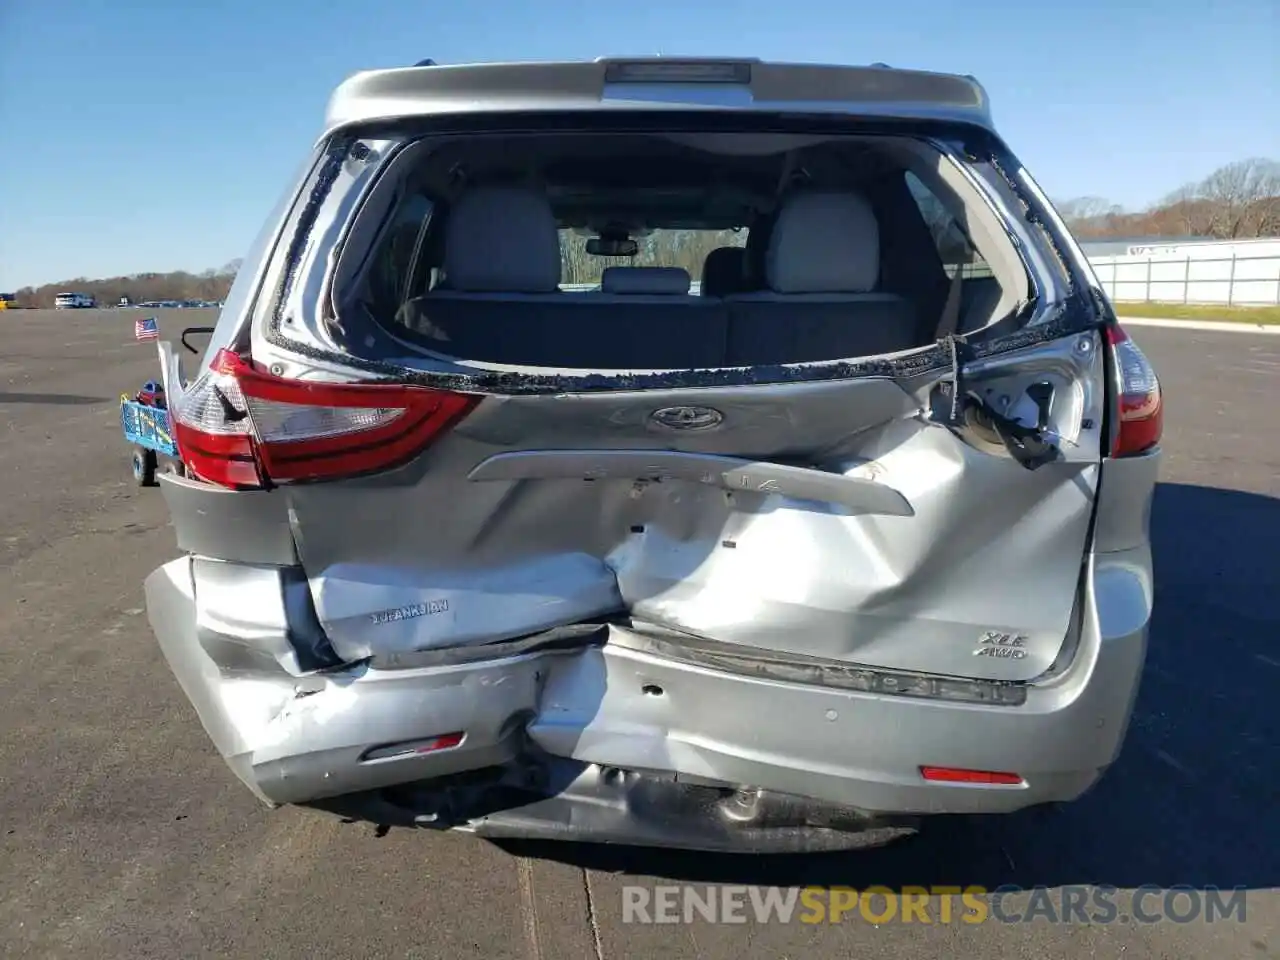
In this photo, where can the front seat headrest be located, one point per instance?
(724, 271)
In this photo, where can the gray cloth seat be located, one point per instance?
(821, 269)
(500, 301)
(645, 281)
(500, 240)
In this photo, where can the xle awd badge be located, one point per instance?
(1004, 646)
(687, 418)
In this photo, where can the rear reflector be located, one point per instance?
(958, 775)
(240, 427)
(414, 748)
(1138, 402)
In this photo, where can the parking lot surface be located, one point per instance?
(122, 834)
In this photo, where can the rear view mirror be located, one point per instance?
(604, 247)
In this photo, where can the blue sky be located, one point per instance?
(156, 134)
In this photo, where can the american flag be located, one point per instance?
(146, 329)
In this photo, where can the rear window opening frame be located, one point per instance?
(1019, 280)
(1079, 309)
(907, 157)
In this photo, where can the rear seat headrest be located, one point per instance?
(824, 241)
(650, 280)
(724, 271)
(502, 240)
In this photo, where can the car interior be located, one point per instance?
(851, 248)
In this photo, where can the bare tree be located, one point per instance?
(1243, 197)
(1183, 212)
(1093, 216)
(1240, 200)
(1087, 208)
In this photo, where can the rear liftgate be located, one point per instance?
(876, 534)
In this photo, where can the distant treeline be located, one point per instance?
(1240, 201)
(180, 285)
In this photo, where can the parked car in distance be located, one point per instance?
(74, 301)
(491, 524)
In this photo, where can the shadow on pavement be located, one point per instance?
(52, 399)
(1193, 796)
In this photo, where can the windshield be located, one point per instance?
(684, 249)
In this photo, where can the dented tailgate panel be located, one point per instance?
(955, 560)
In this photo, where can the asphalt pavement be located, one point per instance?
(122, 834)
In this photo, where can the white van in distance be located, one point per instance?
(74, 301)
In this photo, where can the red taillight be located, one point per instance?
(446, 742)
(1138, 401)
(958, 775)
(239, 427)
(414, 748)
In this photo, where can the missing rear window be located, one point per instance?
(617, 251)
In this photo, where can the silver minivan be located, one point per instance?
(708, 453)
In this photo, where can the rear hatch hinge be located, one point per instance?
(1030, 446)
(966, 410)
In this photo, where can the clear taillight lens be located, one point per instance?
(284, 422)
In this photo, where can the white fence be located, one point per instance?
(1193, 276)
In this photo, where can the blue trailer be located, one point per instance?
(144, 419)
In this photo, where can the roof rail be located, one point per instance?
(426, 63)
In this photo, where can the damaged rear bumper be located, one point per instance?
(600, 733)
